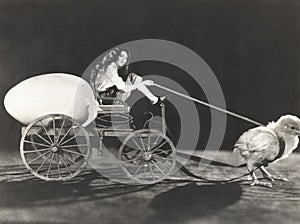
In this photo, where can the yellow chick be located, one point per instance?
(263, 145)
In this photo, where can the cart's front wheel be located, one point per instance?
(147, 156)
(55, 147)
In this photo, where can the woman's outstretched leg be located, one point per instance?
(133, 79)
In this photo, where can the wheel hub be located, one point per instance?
(147, 156)
(55, 148)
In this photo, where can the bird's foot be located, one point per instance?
(280, 178)
(260, 183)
(273, 178)
(269, 177)
(249, 177)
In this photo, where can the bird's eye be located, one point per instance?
(293, 128)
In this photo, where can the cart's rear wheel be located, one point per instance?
(147, 156)
(55, 147)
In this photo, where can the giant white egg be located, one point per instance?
(55, 93)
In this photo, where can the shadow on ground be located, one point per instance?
(91, 198)
(191, 201)
(20, 189)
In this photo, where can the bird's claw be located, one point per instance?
(281, 179)
(260, 183)
(273, 178)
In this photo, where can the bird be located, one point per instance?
(263, 145)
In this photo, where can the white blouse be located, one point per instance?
(109, 78)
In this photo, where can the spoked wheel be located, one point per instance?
(147, 156)
(55, 147)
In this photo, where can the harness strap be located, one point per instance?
(207, 161)
(208, 105)
(279, 154)
(185, 170)
(281, 149)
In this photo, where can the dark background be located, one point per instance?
(253, 47)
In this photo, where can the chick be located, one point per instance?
(263, 145)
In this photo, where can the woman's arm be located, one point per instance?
(121, 85)
(130, 87)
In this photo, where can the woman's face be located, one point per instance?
(122, 59)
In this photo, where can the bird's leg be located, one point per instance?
(269, 176)
(255, 180)
(266, 174)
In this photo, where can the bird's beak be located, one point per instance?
(297, 132)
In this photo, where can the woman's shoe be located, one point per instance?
(160, 100)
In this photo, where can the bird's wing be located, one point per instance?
(259, 139)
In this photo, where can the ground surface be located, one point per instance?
(91, 198)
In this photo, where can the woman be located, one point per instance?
(106, 81)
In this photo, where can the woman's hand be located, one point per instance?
(148, 82)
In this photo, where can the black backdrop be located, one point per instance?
(253, 47)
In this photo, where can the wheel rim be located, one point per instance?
(55, 147)
(147, 156)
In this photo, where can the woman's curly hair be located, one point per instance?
(108, 58)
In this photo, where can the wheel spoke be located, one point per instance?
(54, 129)
(40, 156)
(60, 130)
(64, 162)
(158, 147)
(126, 156)
(49, 168)
(46, 132)
(142, 143)
(148, 144)
(155, 142)
(74, 136)
(37, 150)
(73, 146)
(137, 144)
(158, 167)
(43, 139)
(138, 169)
(57, 164)
(131, 160)
(163, 164)
(46, 159)
(67, 133)
(71, 160)
(36, 143)
(77, 153)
